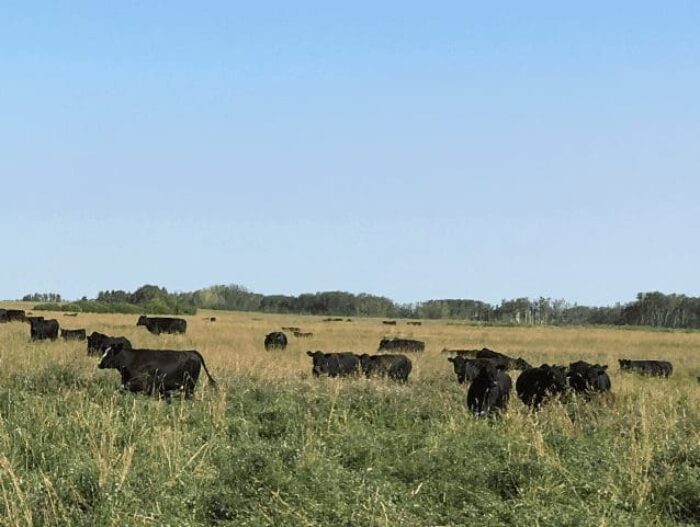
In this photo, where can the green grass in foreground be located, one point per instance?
(73, 451)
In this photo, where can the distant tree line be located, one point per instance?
(42, 297)
(648, 309)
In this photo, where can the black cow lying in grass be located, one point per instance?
(43, 329)
(334, 364)
(275, 340)
(158, 325)
(535, 385)
(73, 334)
(656, 368)
(155, 372)
(396, 367)
(398, 344)
(490, 389)
(97, 343)
(585, 378)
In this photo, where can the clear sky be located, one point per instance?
(416, 150)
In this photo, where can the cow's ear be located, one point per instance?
(605, 366)
(451, 359)
(310, 353)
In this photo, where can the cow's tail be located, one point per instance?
(211, 379)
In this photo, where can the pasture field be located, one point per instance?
(273, 446)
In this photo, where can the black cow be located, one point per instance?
(275, 340)
(467, 369)
(397, 344)
(585, 378)
(158, 325)
(490, 390)
(73, 334)
(534, 385)
(303, 334)
(291, 328)
(656, 368)
(389, 322)
(511, 363)
(15, 315)
(461, 352)
(334, 364)
(3, 316)
(30, 319)
(333, 320)
(414, 323)
(212, 319)
(396, 367)
(97, 343)
(156, 372)
(44, 329)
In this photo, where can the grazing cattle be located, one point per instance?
(334, 364)
(275, 340)
(97, 343)
(656, 368)
(467, 369)
(73, 334)
(585, 378)
(15, 315)
(534, 385)
(389, 322)
(511, 363)
(414, 323)
(291, 328)
(334, 320)
(490, 390)
(156, 372)
(303, 335)
(44, 329)
(158, 325)
(396, 367)
(461, 352)
(397, 344)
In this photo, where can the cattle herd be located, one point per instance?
(162, 372)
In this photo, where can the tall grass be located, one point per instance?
(274, 446)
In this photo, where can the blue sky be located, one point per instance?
(416, 150)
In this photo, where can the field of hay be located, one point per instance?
(274, 446)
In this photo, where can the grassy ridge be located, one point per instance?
(274, 446)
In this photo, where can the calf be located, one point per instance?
(656, 368)
(158, 325)
(534, 385)
(397, 344)
(155, 372)
(490, 390)
(585, 378)
(43, 329)
(97, 343)
(396, 367)
(334, 364)
(275, 340)
(73, 334)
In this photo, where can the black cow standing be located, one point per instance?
(397, 344)
(585, 378)
(656, 368)
(73, 334)
(155, 372)
(334, 364)
(275, 340)
(158, 325)
(510, 362)
(535, 385)
(43, 329)
(396, 367)
(97, 343)
(490, 390)
(467, 369)
(3, 316)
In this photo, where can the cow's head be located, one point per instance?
(521, 364)
(142, 320)
(111, 357)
